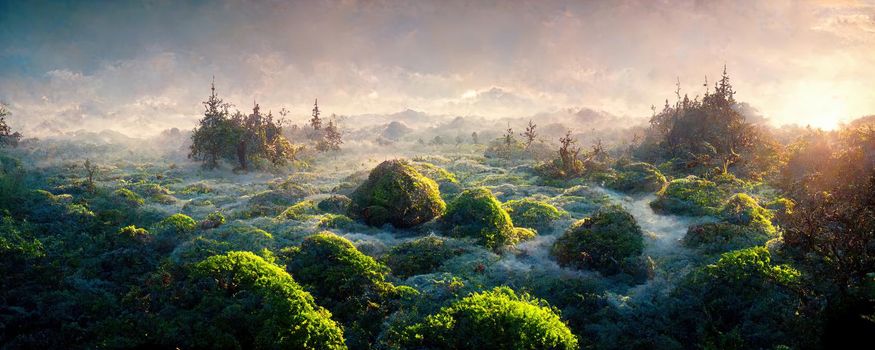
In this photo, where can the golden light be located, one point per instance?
(816, 103)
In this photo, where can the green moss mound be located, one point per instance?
(447, 182)
(336, 204)
(690, 196)
(179, 224)
(636, 177)
(609, 241)
(742, 209)
(350, 284)
(302, 210)
(532, 214)
(477, 213)
(271, 203)
(496, 319)
(420, 256)
(252, 303)
(129, 197)
(757, 300)
(397, 194)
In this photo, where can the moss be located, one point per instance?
(197, 188)
(270, 203)
(609, 241)
(254, 304)
(301, 211)
(722, 236)
(336, 221)
(532, 214)
(742, 209)
(420, 256)
(179, 224)
(478, 214)
(496, 319)
(134, 233)
(635, 178)
(690, 196)
(397, 194)
(213, 220)
(129, 197)
(781, 205)
(336, 204)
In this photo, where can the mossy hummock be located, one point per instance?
(395, 193)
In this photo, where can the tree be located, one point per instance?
(475, 139)
(529, 135)
(568, 154)
(331, 138)
(316, 121)
(211, 138)
(240, 137)
(90, 171)
(7, 137)
(707, 132)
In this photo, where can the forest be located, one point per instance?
(701, 229)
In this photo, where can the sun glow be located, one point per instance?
(818, 104)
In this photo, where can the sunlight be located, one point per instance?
(818, 104)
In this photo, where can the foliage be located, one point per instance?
(420, 256)
(496, 319)
(476, 213)
(178, 224)
(742, 209)
(532, 214)
(690, 196)
(636, 177)
(352, 285)
(300, 211)
(129, 197)
(336, 204)
(7, 137)
(754, 300)
(252, 303)
(397, 194)
(609, 241)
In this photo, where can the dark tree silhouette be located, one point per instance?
(530, 134)
(7, 137)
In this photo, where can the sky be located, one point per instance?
(141, 67)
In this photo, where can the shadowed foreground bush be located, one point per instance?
(496, 319)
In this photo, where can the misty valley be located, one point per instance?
(700, 229)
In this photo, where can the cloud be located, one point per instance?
(142, 67)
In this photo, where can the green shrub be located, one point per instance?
(496, 319)
(397, 194)
(270, 203)
(476, 213)
(609, 241)
(129, 197)
(252, 303)
(179, 224)
(134, 233)
(690, 196)
(350, 284)
(301, 211)
(635, 178)
(215, 219)
(420, 256)
(336, 221)
(532, 214)
(336, 204)
(741, 209)
(720, 237)
(756, 301)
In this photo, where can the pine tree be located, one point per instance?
(331, 138)
(529, 135)
(90, 171)
(7, 137)
(315, 120)
(210, 139)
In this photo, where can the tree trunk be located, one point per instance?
(241, 155)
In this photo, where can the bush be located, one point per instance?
(337, 221)
(129, 197)
(635, 178)
(397, 194)
(755, 299)
(178, 224)
(741, 209)
(215, 219)
(609, 241)
(336, 204)
(252, 304)
(496, 319)
(350, 284)
(690, 196)
(270, 203)
(476, 213)
(532, 214)
(301, 211)
(720, 237)
(420, 256)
